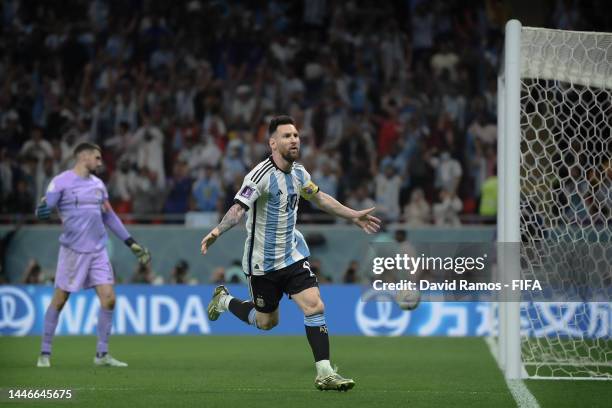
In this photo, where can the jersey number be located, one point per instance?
(291, 202)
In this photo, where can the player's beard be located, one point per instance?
(291, 155)
(95, 170)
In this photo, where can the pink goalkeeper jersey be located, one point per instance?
(80, 203)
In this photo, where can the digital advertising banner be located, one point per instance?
(181, 310)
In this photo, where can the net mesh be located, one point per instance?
(566, 199)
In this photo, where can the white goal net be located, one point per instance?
(565, 203)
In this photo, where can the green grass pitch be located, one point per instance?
(275, 371)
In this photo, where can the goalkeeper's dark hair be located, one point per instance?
(279, 120)
(86, 146)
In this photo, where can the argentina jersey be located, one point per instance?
(271, 198)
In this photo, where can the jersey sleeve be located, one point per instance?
(54, 191)
(104, 191)
(249, 192)
(308, 188)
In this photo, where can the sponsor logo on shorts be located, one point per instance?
(260, 302)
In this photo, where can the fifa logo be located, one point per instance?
(379, 319)
(16, 312)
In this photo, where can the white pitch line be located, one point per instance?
(521, 394)
(255, 389)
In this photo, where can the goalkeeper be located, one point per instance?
(82, 203)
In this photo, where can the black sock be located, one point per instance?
(316, 333)
(101, 354)
(241, 309)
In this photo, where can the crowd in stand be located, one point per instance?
(395, 101)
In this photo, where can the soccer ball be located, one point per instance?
(408, 299)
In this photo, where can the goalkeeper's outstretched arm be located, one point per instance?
(362, 218)
(231, 218)
(113, 222)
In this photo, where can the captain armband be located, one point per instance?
(309, 190)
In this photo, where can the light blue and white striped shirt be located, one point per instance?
(271, 198)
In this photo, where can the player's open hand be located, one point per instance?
(208, 240)
(369, 223)
(141, 252)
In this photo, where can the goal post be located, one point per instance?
(555, 191)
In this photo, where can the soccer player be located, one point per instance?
(82, 202)
(275, 253)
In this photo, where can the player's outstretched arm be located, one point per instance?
(231, 218)
(362, 218)
(113, 222)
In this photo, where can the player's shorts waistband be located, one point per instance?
(291, 266)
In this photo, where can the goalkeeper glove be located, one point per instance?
(142, 253)
(42, 211)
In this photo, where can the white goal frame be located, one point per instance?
(505, 341)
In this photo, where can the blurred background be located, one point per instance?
(395, 102)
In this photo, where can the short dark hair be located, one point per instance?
(81, 147)
(279, 120)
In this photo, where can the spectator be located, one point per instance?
(140, 85)
(482, 130)
(44, 176)
(360, 199)
(218, 276)
(179, 193)
(145, 192)
(210, 154)
(447, 172)
(445, 60)
(121, 186)
(232, 165)
(351, 273)
(446, 211)
(21, 200)
(387, 194)
(180, 274)
(488, 199)
(150, 150)
(33, 275)
(326, 179)
(145, 274)
(235, 274)
(7, 168)
(206, 191)
(123, 145)
(243, 108)
(37, 146)
(418, 211)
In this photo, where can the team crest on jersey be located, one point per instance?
(246, 192)
(260, 302)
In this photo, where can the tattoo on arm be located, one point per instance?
(231, 218)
